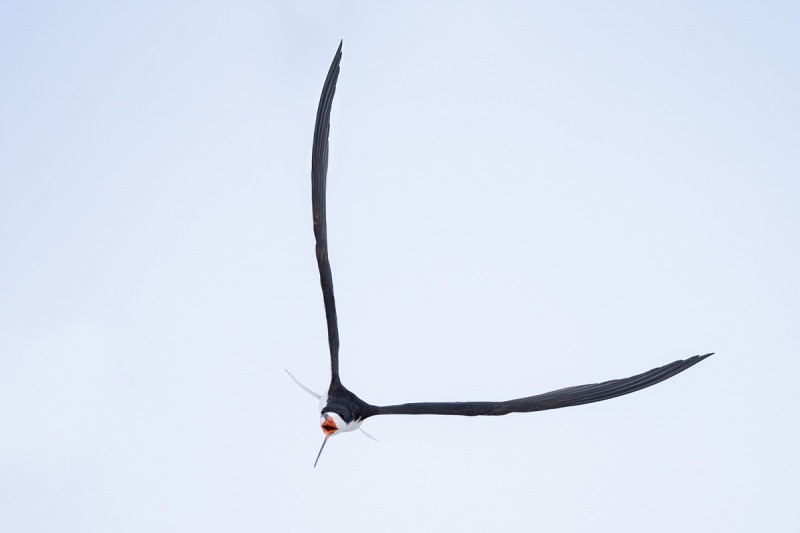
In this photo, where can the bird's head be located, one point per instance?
(335, 418)
(331, 423)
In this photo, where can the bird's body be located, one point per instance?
(343, 411)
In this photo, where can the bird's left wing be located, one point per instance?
(570, 396)
(319, 175)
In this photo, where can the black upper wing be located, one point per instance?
(319, 173)
(550, 400)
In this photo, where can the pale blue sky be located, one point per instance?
(522, 196)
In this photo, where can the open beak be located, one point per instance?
(329, 427)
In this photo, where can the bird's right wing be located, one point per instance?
(570, 396)
(319, 175)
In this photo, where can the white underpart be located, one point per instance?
(323, 401)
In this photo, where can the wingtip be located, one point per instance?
(697, 358)
(337, 58)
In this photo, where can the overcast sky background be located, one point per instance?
(522, 197)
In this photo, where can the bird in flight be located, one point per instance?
(342, 411)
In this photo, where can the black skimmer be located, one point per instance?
(342, 411)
